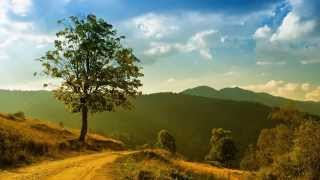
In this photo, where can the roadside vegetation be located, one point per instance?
(23, 141)
(148, 164)
(163, 162)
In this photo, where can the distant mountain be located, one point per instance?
(189, 118)
(238, 94)
(203, 91)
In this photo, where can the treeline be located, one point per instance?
(222, 148)
(291, 150)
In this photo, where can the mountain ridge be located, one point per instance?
(239, 94)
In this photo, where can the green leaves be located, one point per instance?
(89, 57)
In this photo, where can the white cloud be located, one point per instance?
(266, 63)
(153, 25)
(262, 32)
(296, 2)
(223, 39)
(305, 87)
(296, 39)
(171, 80)
(156, 34)
(292, 90)
(198, 43)
(229, 73)
(205, 54)
(14, 31)
(39, 39)
(158, 48)
(199, 39)
(270, 86)
(313, 95)
(34, 85)
(3, 56)
(17, 32)
(20, 7)
(312, 61)
(293, 27)
(3, 11)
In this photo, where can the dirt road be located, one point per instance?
(84, 167)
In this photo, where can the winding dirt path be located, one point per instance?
(84, 167)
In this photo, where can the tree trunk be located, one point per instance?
(84, 128)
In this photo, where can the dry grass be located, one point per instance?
(160, 164)
(25, 140)
(146, 164)
(220, 173)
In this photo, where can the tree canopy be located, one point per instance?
(98, 73)
(288, 151)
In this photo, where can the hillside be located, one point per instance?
(53, 152)
(159, 164)
(238, 94)
(189, 118)
(26, 140)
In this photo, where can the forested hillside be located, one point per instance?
(189, 118)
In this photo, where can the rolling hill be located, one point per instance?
(238, 94)
(25, 140)
(189, 118)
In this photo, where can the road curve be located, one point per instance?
(85, 167)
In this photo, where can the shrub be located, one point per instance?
(61, 124)
(13, 150)
(17, 116)
(166, 141)
(145, 175)
(223, 148)
(249, 161)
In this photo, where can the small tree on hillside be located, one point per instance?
(222, 147)
(97, 72)
(166, 141)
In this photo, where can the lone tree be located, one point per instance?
(98, 73)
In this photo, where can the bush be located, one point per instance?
(249, 161)
(166, 141)
(145, 175)
(13, 150)
(17, 116)
(284, 167)
(20, 115)
(61, 124)
(223, 148)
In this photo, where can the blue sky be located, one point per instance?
(262, 45)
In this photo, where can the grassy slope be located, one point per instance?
(189, 118)
(238, 94)
(24, 140)
(159, 164)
